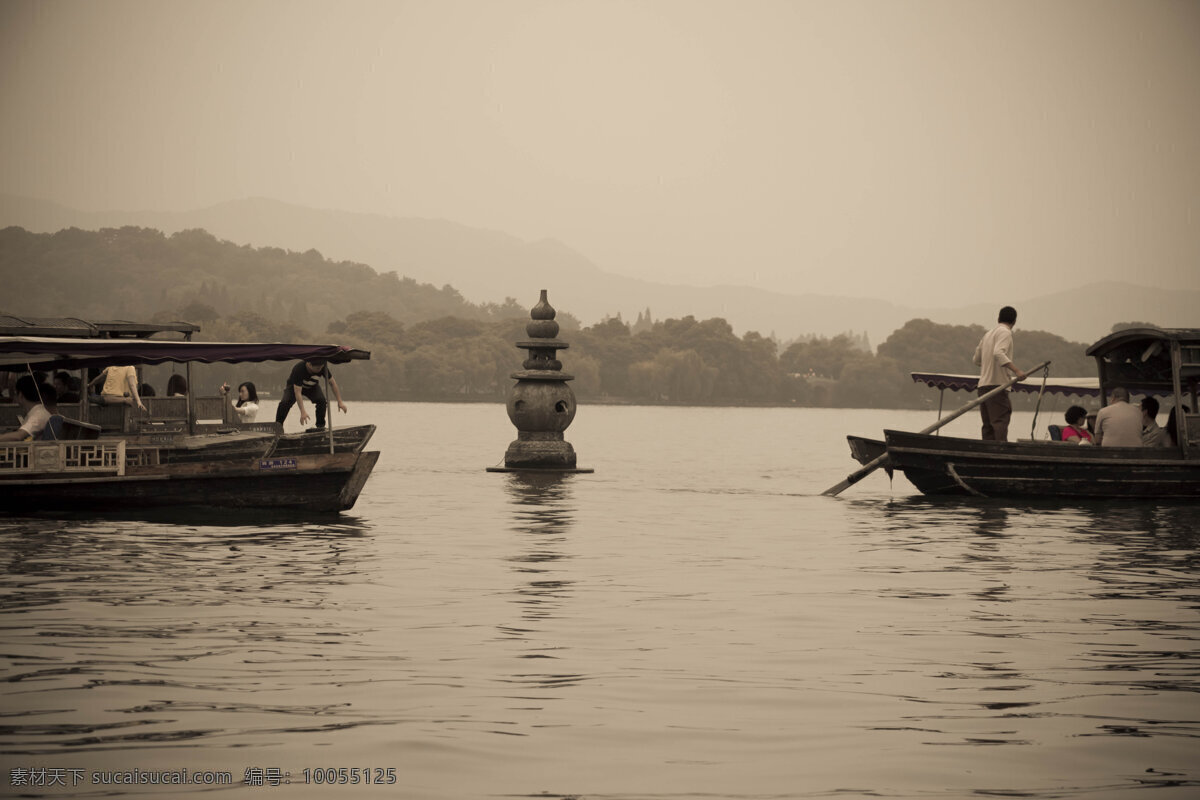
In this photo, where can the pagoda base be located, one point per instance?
(543, 449)
(546, 470)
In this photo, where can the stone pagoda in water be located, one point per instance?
(541, 403)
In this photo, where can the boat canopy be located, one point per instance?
(1140, 359)
(1083, 387)
(63, 353)
(11, 325)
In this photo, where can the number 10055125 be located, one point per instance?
(350, 775)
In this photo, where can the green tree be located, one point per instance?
(198, 313)
(875, 383)
(921, 345)
(821, 357)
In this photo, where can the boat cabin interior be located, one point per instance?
(166, 415)
(1161, 361)
(163, 415)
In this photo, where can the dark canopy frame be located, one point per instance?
(55, 353)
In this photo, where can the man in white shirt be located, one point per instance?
(1119, 424)
(993, 355)
(36, 415)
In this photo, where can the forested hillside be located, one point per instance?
(132, 273)
(430, 344)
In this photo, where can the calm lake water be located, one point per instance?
(691, 621)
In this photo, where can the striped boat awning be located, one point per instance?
(1083, 387)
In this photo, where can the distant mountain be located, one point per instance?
(487, 266)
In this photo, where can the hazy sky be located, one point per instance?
(928, 152)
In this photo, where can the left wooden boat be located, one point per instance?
(182, 452)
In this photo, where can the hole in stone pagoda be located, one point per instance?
(561, 406)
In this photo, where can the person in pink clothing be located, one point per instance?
(1076, 430)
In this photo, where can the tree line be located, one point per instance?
(431, 344)
(684, 361)
(131, 272)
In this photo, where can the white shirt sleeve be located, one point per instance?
(35, 421)
(1003, 349)
(247, 412)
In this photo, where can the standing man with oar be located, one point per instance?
(993, 355)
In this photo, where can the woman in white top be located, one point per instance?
(246, 405)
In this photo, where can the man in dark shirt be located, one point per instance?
(305, 382)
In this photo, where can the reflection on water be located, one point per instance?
(542, 515)
(690, 622)
(137, 624)
(1084, 616)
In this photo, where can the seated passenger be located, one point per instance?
(1152, 435)
(33, 400)
(1119, 424)
(1076, 430)
(246, 405)
(49, 397)
(177, 386)
(66, 386)
(1171, 437)
(120, 387)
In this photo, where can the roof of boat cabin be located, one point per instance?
(1139, 359)
(1148, 335)
(80, 352)
(12, 325)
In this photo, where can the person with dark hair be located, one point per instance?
(1119, 424)
(1076, 431)
(33, 400)
(49, 396)
(994, 357)
(66, 386)
(1172, 430)
(1152, 435)
(305, 382)
(177, 386)
(246, 405)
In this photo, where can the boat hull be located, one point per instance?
(943, 465)
(180, 448)
(351, 439)
(326, 482)
(865, 450)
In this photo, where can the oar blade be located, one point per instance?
(856, 476)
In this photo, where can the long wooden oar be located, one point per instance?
(875, 464)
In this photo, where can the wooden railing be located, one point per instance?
(92, 457)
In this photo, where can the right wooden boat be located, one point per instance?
(950, 465)
(1156, 361)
